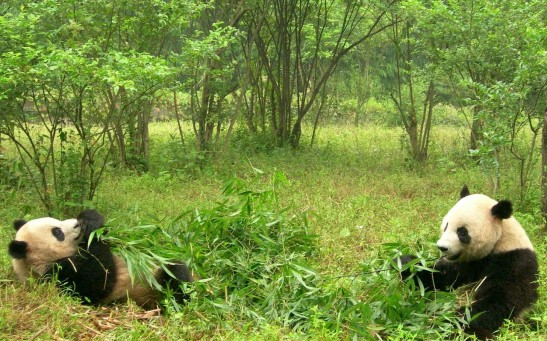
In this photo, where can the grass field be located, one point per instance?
(361, 197)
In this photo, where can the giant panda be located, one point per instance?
(51, 248)
(483, 244)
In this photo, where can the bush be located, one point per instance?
(252, 253)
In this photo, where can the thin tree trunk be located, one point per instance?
(476, 129)
(177, 116)
(544, 170)
(319, 111)
(142, 138)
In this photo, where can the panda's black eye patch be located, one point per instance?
(58, 234)
(463, 235)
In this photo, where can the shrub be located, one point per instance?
(252, 253)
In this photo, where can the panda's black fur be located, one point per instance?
(88, 270)
(505, 278)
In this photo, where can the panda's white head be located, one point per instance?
(40, 242)
(478, 226)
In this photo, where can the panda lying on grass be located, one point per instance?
(484, 244)
(47, 247)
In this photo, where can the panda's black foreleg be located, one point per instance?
(182, 274)
(484, 325)
(492, 305)
(487, 322)
(90, 274)
(446, 275)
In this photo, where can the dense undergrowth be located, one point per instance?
(301, 250)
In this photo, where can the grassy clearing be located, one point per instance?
(358, 191)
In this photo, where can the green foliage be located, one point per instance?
(397, 307)
(138, 245)
(78, 83)
(259, 142)
(491, 55)
(67, 96)
(11, 173)
(448, 115)
(253, 260)
(253, 254)
(250, 252)
(177, 158)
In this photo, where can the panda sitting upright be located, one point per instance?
(47, 247)
(484, 244)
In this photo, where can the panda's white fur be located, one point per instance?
(483, 243)
(45, 246)
(490, 234)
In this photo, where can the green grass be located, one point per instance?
(358, 191)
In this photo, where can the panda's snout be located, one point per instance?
(442, 248)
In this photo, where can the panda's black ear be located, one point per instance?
(464, 192)
(89, 221)
(18, 224)
(503, 209)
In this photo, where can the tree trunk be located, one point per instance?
(476, 129)
(412, 131)
(319, 111)
(142, 138)
(177, 116)
(296, 133)
(544, 170)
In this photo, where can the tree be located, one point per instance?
(139, 37)
(491, 55)
(47, 101)
(410, 81)
(544, 170)
(208, 64)
(300, 44)
(62, 88)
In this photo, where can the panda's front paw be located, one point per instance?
(403, 260)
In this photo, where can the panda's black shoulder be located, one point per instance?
(90, 273)
(510, 265)
(510, 277)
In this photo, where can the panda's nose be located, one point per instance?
(442, 248)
